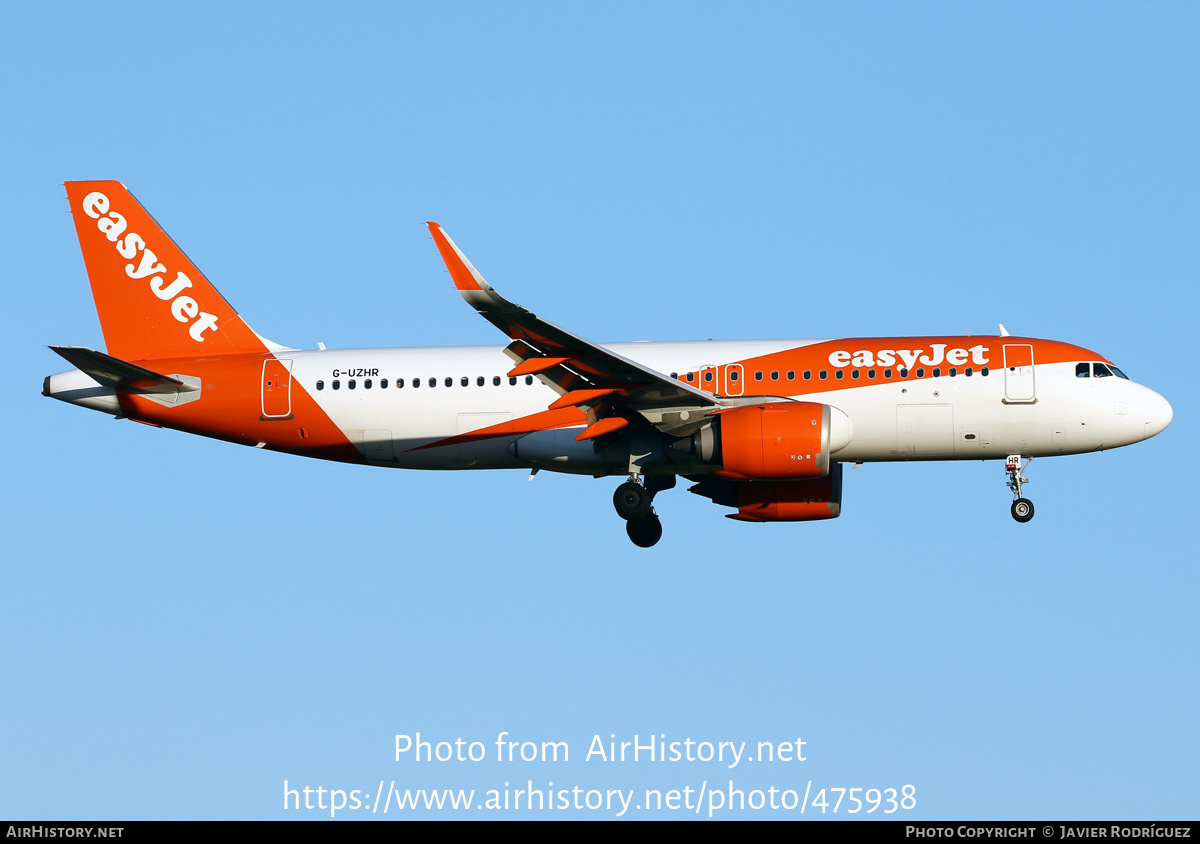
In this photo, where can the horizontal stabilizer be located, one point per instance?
(119, 374)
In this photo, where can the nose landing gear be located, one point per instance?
(1022, 508)
(634, 503)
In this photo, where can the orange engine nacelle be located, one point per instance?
(780, 441)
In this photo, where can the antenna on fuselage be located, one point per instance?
(1004, 331)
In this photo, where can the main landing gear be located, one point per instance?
(634, 502)
(1022, 508)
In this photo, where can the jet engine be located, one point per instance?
(781, 441)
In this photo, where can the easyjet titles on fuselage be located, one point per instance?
(910, 357)
(184, 308)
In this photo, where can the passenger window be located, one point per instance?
(512, 381)
(449, 381)
(466, 382)
(967, 372)
(416, 383)
(937, 372)
(920, 372)
(791, 376)
(528, 379)
(351, 384)
(953, 372)
(399, 383)
(854, 373)
(774, 374)
(870, 373)
(839, 374)
(432, 382)
(808, 375)
(690, 376)
(1083, 370)
(758, 375)
(903, 372)
(734, 375)
(983, 371)
(367, 384)
(320, 385)
(495, 380)
(337, 385)
(1100, 370)
(383, 383)
(887, 373)
(823, 374)
(479, 381)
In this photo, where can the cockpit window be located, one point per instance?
(1083, 370)
(1101, 371)
(1119, 373)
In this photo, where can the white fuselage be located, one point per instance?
(960, 417)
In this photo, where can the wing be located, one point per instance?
(611, 390)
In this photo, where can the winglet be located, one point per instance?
(471, 285)
(465, 276)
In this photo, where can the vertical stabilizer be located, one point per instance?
(152, 301)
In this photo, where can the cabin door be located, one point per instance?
(1018, 374)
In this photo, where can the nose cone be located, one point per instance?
(1158, 415)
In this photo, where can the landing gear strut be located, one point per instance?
(634, 503)
(1022, 508)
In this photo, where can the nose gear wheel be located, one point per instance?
(1022, 510)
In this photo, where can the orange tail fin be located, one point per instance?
(152, 301)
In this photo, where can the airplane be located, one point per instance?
(760, 426)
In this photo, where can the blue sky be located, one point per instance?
(188, 624)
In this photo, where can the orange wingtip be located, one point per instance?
(460, 269)
(602, 427)
(534, 366)
(578, 397)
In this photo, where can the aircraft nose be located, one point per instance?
(1158, 415)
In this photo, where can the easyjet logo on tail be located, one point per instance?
(183, 308)
(933, 355)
